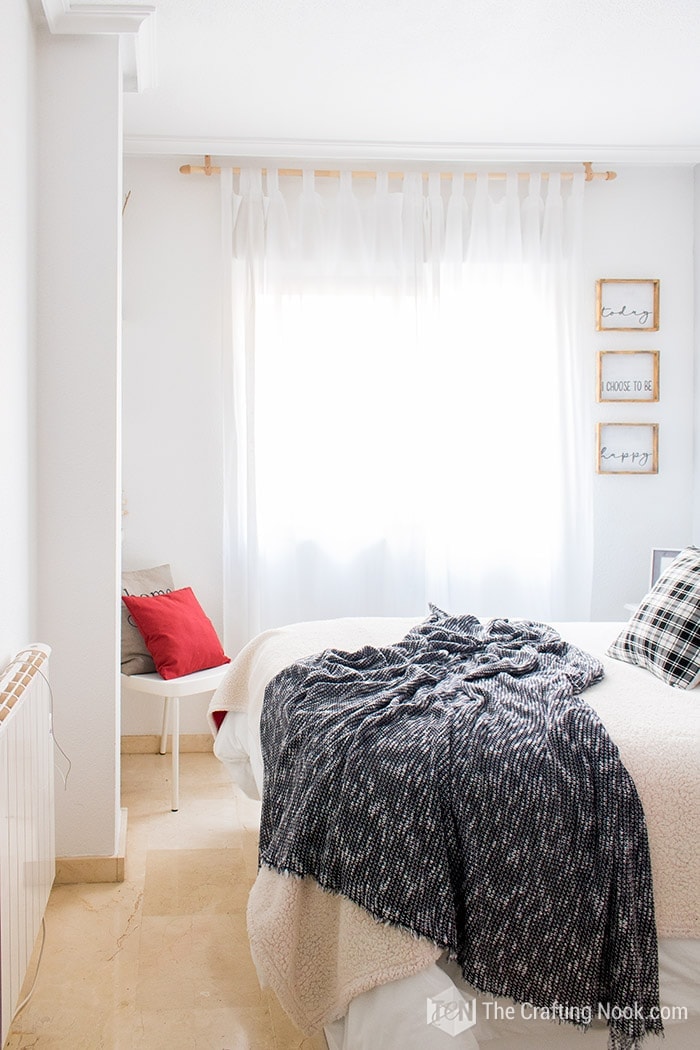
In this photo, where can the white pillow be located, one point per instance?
(663, 634)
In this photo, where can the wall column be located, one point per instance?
(696, 346)
(78, 424)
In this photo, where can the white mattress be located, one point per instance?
(635, 707)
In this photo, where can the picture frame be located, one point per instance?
(627, 305)
(627, 448)
(628, 375)
(661, 558)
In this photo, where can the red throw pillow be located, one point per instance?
(178, 634)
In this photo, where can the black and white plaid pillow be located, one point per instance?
(663, 634)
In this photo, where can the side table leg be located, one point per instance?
(175, 740)
(164, 730)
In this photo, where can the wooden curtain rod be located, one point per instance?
(212, 169)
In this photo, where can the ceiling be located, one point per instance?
(544, 76)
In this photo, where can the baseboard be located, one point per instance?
(149, 744)
(70, 870)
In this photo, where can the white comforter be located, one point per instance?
(656, 728)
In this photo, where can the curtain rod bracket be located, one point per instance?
(591, 175)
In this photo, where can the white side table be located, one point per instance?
(171, 690)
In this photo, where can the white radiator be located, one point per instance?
(27, 828)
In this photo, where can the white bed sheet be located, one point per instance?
(394, 1016)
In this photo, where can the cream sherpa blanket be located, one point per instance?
(318, 951)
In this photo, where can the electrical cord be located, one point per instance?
(64, 776)
(20, 660)
(30, 993)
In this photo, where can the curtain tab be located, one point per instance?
(457, 184)
(481, 193)
(434, 183)
(577, 184)
(413, 183)
(555, 183)
(251, 183)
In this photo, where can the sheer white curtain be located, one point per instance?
(406, 415)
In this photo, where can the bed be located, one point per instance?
(371, 983)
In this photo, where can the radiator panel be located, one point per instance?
(27, 824)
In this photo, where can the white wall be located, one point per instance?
(642, 225)
(638, 226)
(78, 421)
(172, 434)
(17, 297)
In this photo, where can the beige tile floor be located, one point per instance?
(161, 961)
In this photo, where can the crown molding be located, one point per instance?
(458, 154)
(134, 24)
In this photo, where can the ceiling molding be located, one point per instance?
(134, 24)
(409, 152)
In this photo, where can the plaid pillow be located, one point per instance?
(663, 635)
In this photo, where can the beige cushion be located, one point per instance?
(141, 583)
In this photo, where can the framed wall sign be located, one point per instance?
(624, 305)
(628, 448)
(628, 375)
(661, 558)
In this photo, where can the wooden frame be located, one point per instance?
(661, 558)
(627, 305)
(627, 448)
(628, 375)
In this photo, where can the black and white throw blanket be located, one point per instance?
(458, 785)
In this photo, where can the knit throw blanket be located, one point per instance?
(457, 785)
